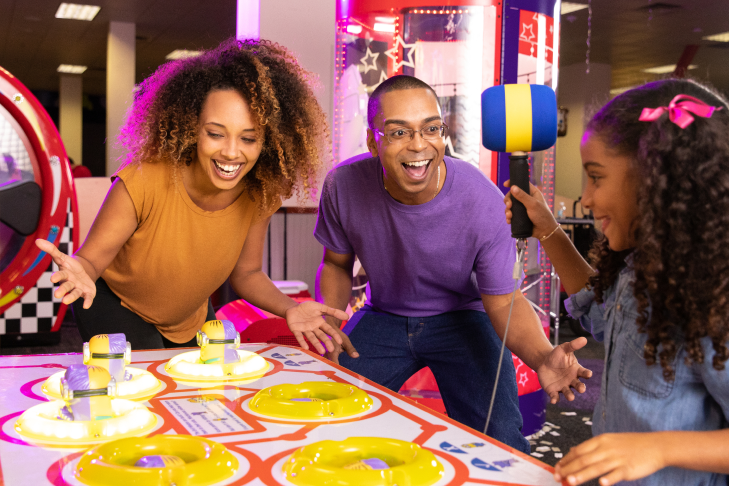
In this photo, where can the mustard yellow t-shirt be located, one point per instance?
(179, 254)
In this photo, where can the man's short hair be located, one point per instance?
(395, 83)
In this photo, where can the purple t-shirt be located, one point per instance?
(426, 259)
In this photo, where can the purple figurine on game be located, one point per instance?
(112, 352)
(87, 391)
(218, 341)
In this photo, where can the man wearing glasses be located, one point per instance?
(430, 233)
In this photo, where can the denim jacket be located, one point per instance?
(634, 397)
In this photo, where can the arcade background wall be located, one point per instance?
(94, 127)
(281, 21)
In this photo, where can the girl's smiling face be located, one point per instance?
(611, 192)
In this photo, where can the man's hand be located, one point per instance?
(614, 457)
(306, 319)
(74, 282)
(338, 348)
(560, 371)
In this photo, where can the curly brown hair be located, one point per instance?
(163, 121)
(681, 256)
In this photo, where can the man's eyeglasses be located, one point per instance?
(402, 135)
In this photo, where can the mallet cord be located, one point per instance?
(520, 247)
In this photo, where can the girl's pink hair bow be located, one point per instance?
(679, 110)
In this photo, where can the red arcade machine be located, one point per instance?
(37, 200)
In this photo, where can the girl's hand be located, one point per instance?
(73, 280)
(537, 209)
(614, 457)
(306, 319)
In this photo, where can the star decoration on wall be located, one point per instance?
(394, 52)
(526, 28)
(370, 60)
(523, 379)
(383, 77)
(454, 154)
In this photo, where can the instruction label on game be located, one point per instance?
(205, 416)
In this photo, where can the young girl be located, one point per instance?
(215, 143)
(657, 162)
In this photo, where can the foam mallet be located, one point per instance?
(517, 118)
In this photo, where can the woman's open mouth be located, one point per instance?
(227, 171)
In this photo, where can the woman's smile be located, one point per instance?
(227, 170)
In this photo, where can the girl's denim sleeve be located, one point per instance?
(716, 381)
(582, 306)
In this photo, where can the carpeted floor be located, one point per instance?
(569, 423)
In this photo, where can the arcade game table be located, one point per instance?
(262, 444)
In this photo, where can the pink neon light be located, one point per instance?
(248, 19)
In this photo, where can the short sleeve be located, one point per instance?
(495, 260)
(134, 182)
(582, 306)
(329, 231)
(259, 215)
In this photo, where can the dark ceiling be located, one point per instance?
(630, 35)
(33, 42)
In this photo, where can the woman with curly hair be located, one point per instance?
(215, 143)
(657, 163)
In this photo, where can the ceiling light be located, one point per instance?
(387, 20)
(354, 29)
(77, 12)
(182, 54)
(569, 7)
(666, 69)
(380, 27)
(71, 69)
(617, 91)
(723, 37)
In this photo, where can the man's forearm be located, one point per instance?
(333, 288)
(526, 337)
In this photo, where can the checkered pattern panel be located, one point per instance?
(37, 309)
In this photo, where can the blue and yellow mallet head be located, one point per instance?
(519, 118)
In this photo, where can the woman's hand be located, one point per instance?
(613, 457)
(306, 320)
(536, 206)
(71, 276)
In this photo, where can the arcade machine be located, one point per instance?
(37, 200)
(229, 413)
(459, 49)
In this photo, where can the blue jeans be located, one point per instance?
(462, 350)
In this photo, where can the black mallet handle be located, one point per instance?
(521, 225)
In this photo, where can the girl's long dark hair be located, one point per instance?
(681, 257)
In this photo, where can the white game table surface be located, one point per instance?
(261, 444)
